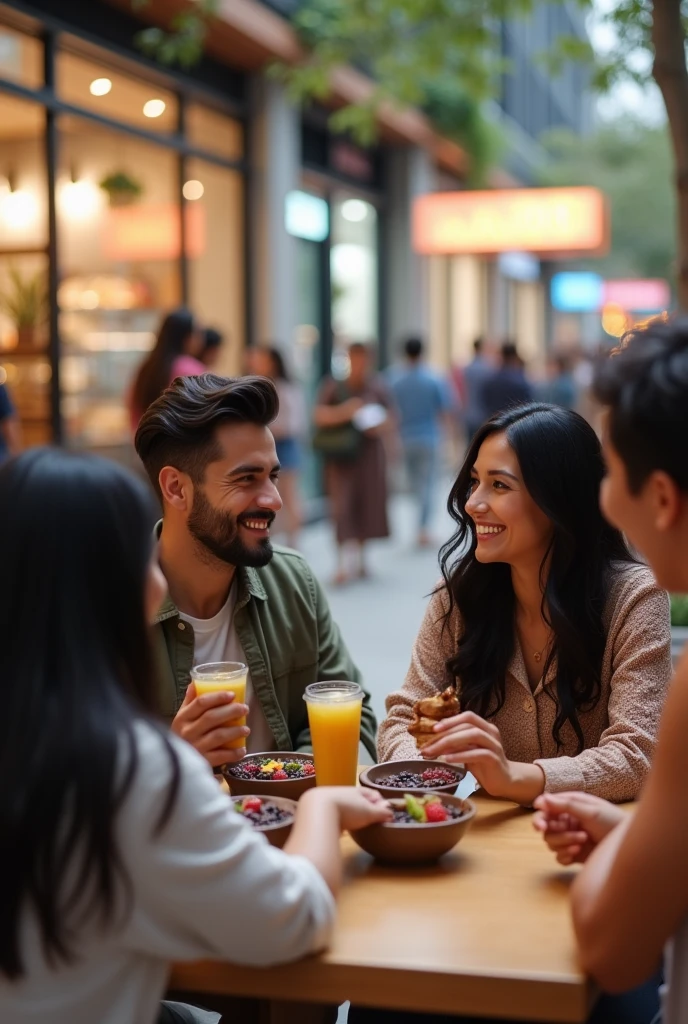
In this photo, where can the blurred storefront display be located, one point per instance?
(121, 195)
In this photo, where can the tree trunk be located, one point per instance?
(671, 76)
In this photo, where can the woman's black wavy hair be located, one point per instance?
(562, 466)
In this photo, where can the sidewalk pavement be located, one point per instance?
(379, 617)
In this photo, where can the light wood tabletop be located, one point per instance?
(486, 931)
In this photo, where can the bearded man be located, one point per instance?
(207, 448)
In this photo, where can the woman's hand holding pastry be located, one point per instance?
(470, 740)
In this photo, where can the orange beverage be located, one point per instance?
(223, 677)
(334, 717)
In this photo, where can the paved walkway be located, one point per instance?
(379, 617)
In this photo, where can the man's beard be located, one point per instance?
(218, 533)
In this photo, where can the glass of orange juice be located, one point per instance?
(334, 717)
(225, 677)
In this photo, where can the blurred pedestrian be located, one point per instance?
(289, 430)
(424, 406)
(507, 385)
(474, 376)
(175, 354)
(352, 417)
(212, 346)
(10, 437)
(560, 388)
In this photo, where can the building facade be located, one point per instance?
(127, 189)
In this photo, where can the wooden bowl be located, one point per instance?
(372, 776)
(290, 788)
(278, 834)
(417, 843)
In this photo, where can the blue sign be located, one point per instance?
(307, 216)
(519, 266)
(577, 292)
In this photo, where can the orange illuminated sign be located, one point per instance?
(541, 220)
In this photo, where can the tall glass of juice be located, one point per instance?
(226, 677)
(334, 717)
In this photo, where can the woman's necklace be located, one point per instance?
(538, 654)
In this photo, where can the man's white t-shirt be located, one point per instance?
(216, 640)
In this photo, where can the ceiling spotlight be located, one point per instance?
(354, 210)
(193, 189)
(100, 87)
(154, 108)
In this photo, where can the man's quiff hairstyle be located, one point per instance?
(178, 429)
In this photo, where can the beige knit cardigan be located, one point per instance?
(620, 731)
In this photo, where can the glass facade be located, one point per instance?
(122, 200)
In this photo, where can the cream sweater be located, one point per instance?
(620, 732)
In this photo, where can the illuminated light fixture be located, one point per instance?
(79, 200)
(193, 189)
(100, 87)
(90, 299)
(154, 108)
(354, 210)
(18, 209)
(615, 320)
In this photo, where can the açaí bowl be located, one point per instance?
(371, 777)
(417, 843)
(277, 834)
(291, 788)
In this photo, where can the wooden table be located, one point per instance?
(486, 932)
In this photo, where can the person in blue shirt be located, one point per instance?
(9, 426)
(508, 385)
(423, 402)
(478, 371)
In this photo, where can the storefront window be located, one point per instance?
(214, 233)
(119, 273)
(24, 364)
(215, 132)
(141, 227)
(354, 270)
(21, 58)
(97, 87)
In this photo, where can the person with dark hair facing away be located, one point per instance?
(120, 852)
(556, 640)
(175, 354)
(207, 448)
(212, 346)
(507, 385)
(423, 404)
(288, 429)
(475, 375)
(630, 901)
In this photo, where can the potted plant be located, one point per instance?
(121, 189)
(25, 302)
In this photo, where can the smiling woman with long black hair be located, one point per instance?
(556, 639)
(118, 850)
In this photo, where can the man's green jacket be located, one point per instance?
(289, 639)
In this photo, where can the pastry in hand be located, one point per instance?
(430, 710)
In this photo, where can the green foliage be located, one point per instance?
(184, 43)
(632, 164)
(25, 302)
(679, 609)
(118, 183)
(459, 117)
